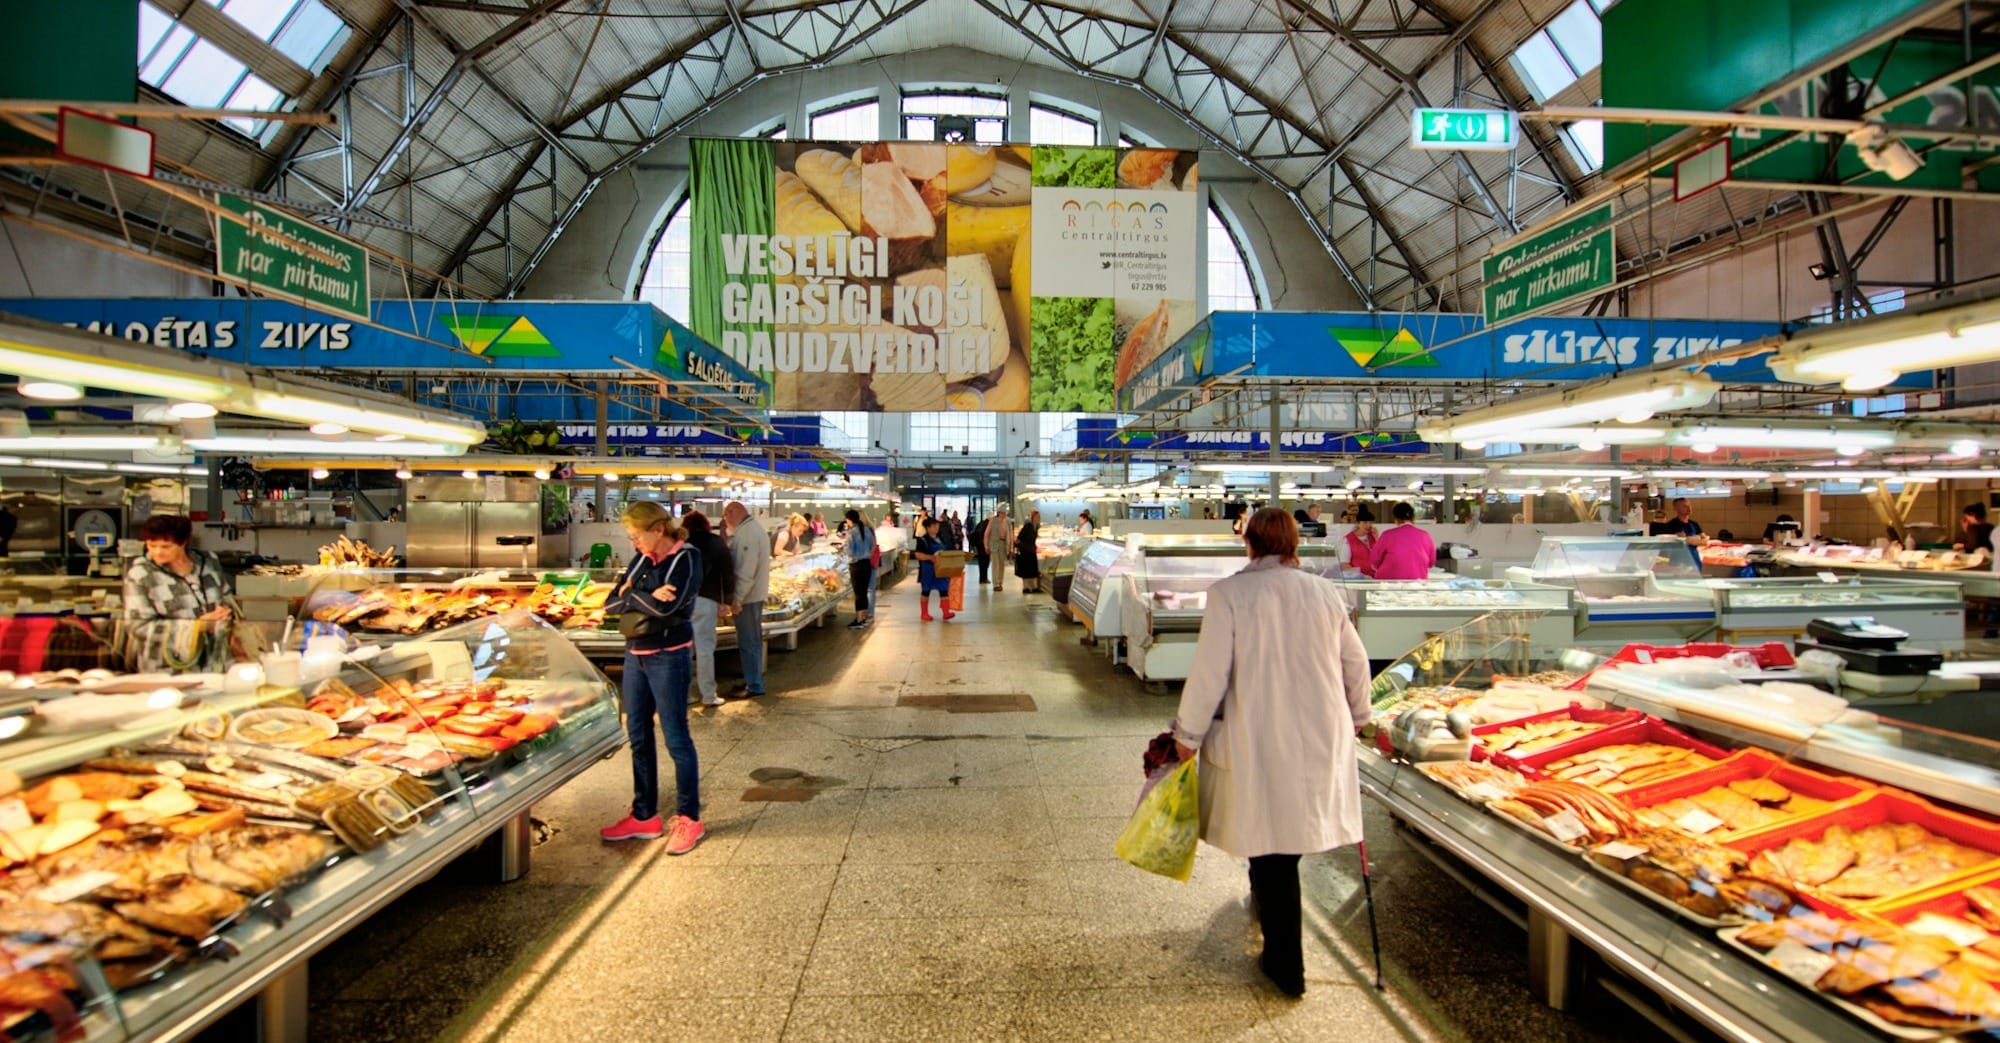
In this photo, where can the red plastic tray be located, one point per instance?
(1945, 900)
(1749, 764)
(1574, 711)
(1886, 805)
(1771, 655)
(1645, 729)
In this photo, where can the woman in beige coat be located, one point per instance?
(1278, 686)
(1000, 544)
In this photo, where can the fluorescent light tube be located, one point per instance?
(309, 446)
(1418, 469)
(1843, 474)
(1987, 473)
(1572, 472)
(1705, 473)
(1779, 436)
(83, 443)
(1632, 398)
(112, 374)
(361, 418)
(49, 390)
(1865, 352)
(156, 469)
(70, 465)
(1267, 468)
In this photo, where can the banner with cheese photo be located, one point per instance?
(900, 276)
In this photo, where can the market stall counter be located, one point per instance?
(1166, 591)
(178, 844)
(1619, 592)
(394, 604)
(1932, 612)
(1394, 616)
(1975, 574)
(1763, 857)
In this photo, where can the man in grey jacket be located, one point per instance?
(750, 549)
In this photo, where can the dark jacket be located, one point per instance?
(718, 571)
(979, 539)
(682, 569)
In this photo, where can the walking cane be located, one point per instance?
(1368, 889)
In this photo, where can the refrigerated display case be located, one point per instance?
(396, 604)
(1932, 612)
(1394, 616)
(1662, 887)
(167, 868)
(1618, 584)
(1975, 575)
(1097, 591)
(1166, 589)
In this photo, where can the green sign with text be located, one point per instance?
(287, 257)
(1572, 259)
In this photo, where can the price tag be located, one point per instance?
(1620, 850)
(1799, 963)
(1699, 822)
(1566, 827)
(14, 816)
(1643, 655)
(268, 780)
(71, 888)
(1956, 931)
(1485, 791)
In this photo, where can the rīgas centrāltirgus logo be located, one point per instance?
(1114, 216)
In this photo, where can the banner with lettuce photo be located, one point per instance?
(903, 277)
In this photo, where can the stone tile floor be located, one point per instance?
(952, 878)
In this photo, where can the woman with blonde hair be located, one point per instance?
(793, 538)
(1278, 686)
(655, 603)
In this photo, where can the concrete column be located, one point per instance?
(1810, 523)
(1277, 431)
(601, 485)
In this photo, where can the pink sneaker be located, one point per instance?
(683, 834)
(629, 828)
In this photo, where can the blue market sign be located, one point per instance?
(1400, 346)
(1095, 434)
(528, 336)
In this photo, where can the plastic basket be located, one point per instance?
(1608, 718)
(1771, 655)
(1885, 805)
(1752, 764)
(1645, 729)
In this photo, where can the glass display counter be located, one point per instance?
(175, 844)
(1396, 615)
(397, 604)
(1932, 612)
(1744, 846)
(1975, 574)
(1097, 591)
(1618, 584)
(1166, 589)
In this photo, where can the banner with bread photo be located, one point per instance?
(899, 276)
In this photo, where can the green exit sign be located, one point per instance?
(1471, 130)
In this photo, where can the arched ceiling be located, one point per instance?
(469, 132)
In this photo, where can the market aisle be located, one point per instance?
(948, 876)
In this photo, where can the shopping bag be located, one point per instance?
(1161, 836)
(954, 596)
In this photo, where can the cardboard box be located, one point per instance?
(951, 562)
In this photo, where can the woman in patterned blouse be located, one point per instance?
(173, 582)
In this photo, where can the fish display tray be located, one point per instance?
(1541, 835)
(1913, 1033)
(1884, 805)
(1751, 764)
(1572, 712)
(1655, 897)
(1646, 729)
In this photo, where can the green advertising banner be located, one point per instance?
(291, 258)
(1711, 55)
(927, 276)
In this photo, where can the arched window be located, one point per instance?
(1230, 285)
(664, 283)
(1048, 125)
(861, 121)
(980, 118)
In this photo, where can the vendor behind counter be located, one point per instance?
(179, 603)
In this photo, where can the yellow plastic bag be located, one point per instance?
(1165, 826)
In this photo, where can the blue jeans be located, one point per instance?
(706, 613)
(658, 684)
(750, 644)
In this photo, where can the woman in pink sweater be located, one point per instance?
(1404, 551)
